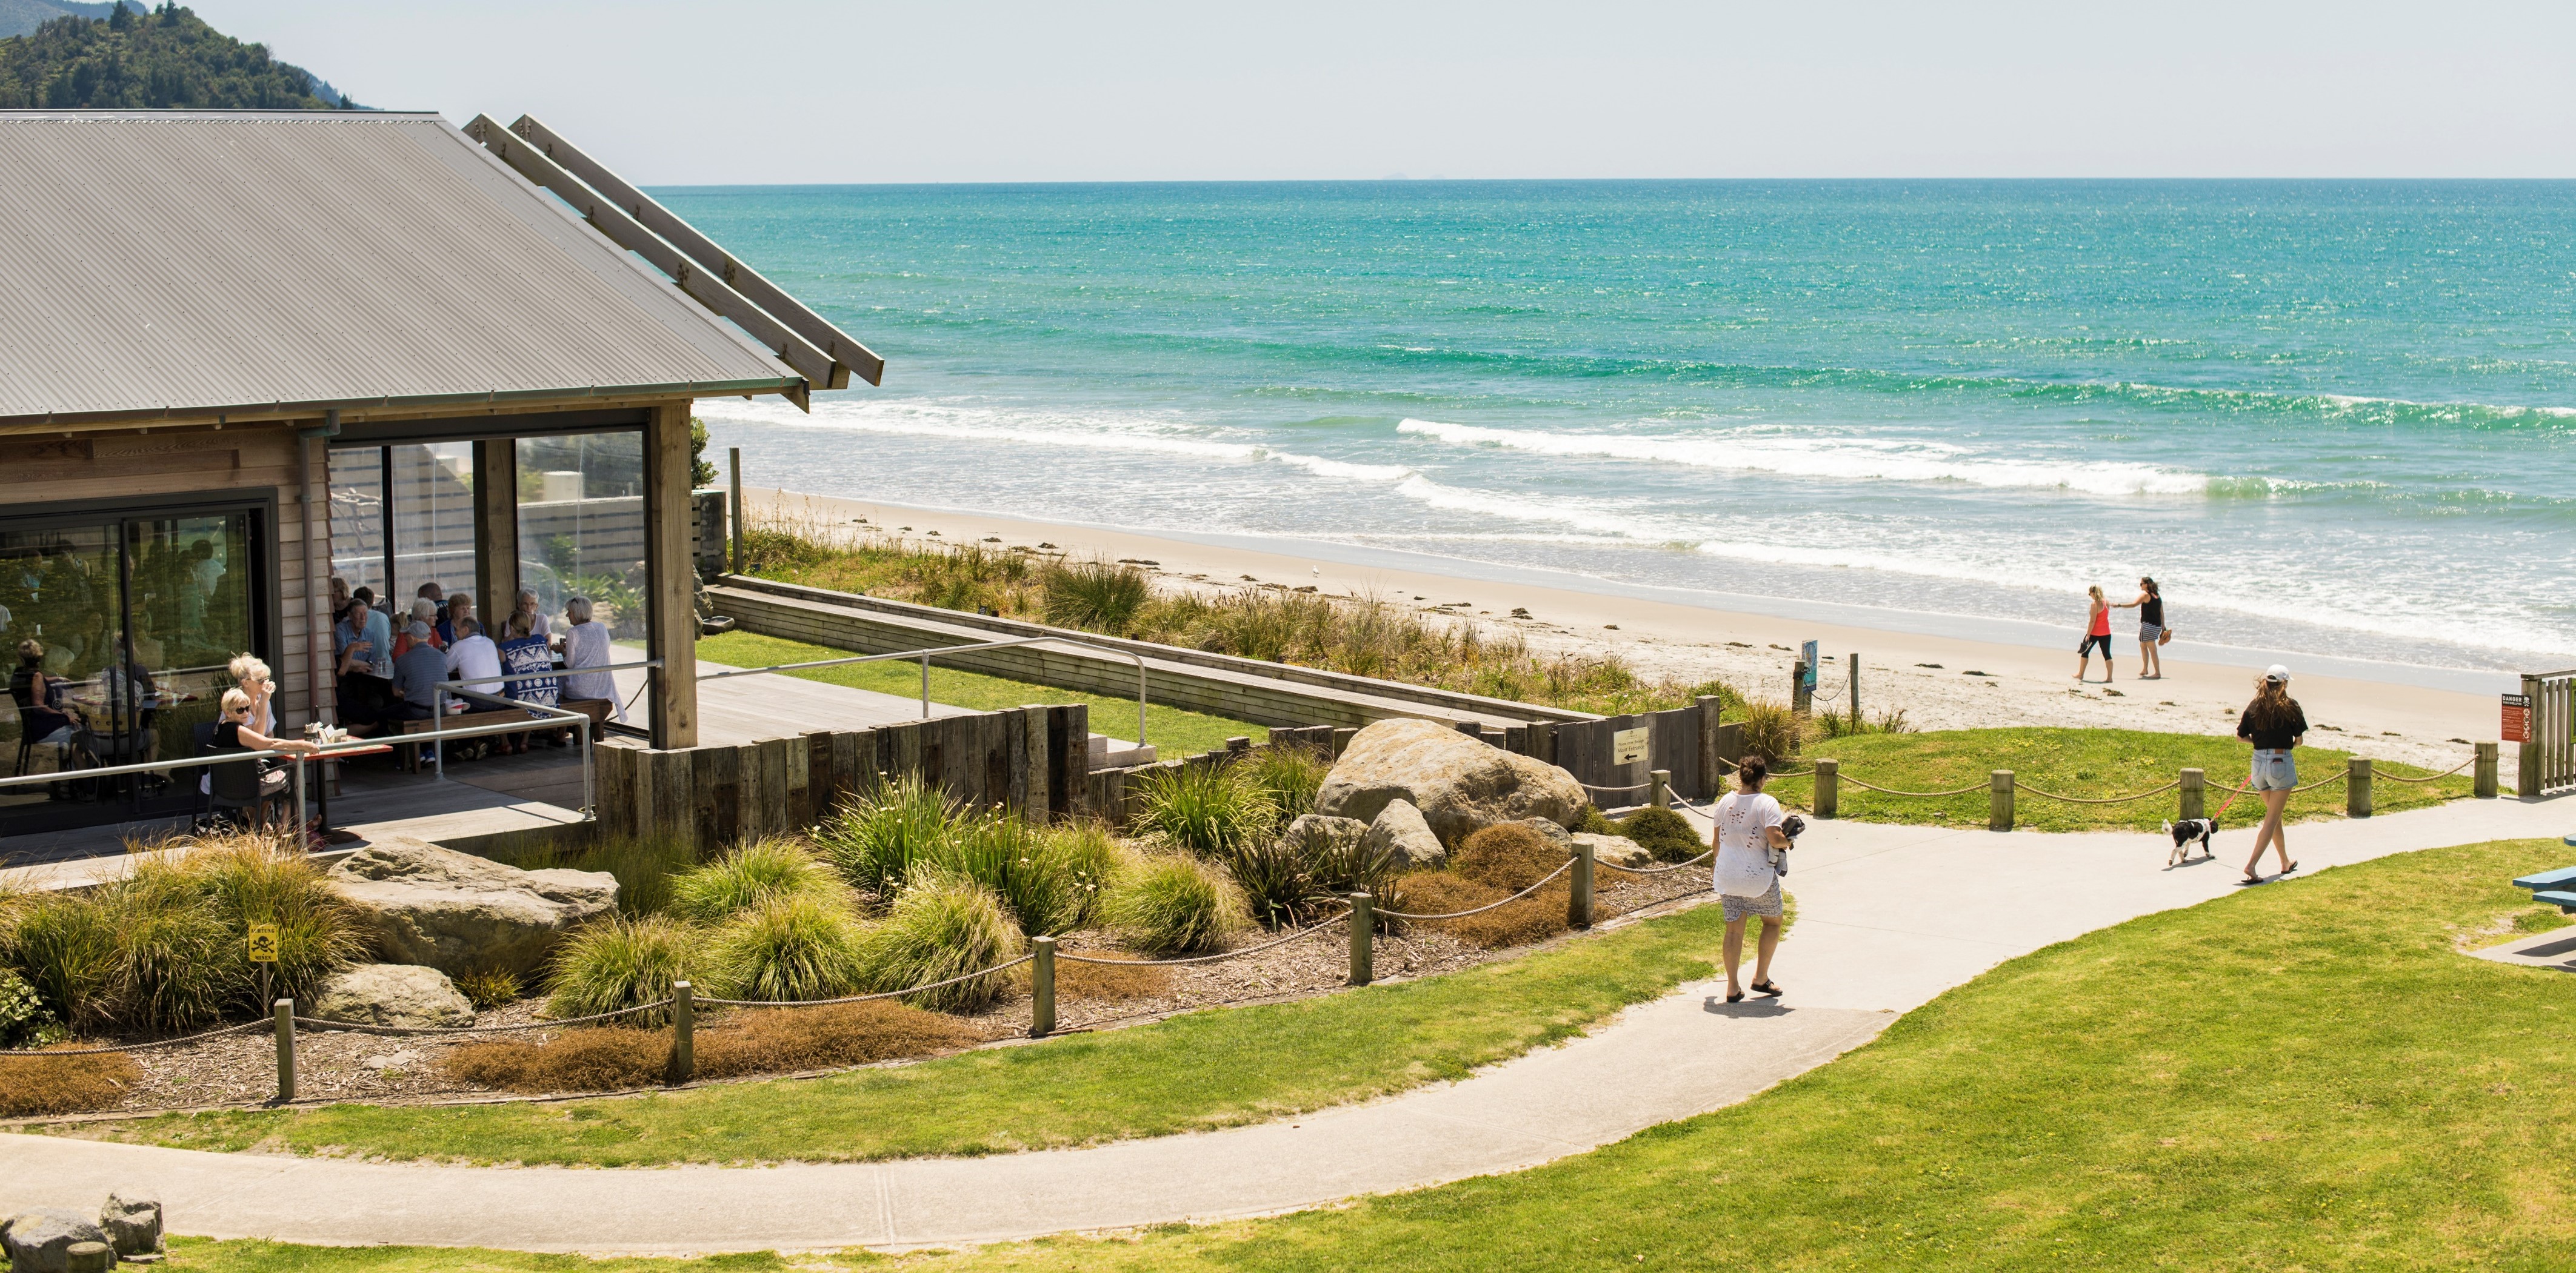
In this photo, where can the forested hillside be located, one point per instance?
(159, 60)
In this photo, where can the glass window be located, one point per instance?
(581, 526)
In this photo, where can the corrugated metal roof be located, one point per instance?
(197, 261)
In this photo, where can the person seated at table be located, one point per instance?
(251, 673)
(424, 617)
(39, 697)
(459, 608)
(585, 644)
(525, 654)
(418, 672)
(475, 658)
(537, 624)
(364, 693)
(233, 730)
(357, 629)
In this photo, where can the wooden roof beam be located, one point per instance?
(625, 231)
(844, 350)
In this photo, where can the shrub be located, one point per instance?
(643, 867)
(620, 962)
(761, 871)
(1175, 905)
(1271, 874)
(1048, 878)
(1664, 833)
(1110, 982)
(748, 1041)
(787, 949)
(596, 1059)
(877, 836)
(1341, 866)
(488, 988)
(65, 947)
(22, 1012)
(1593, 820)
(33, 1084)
(1540, 915)
(1208, 809)
(943, 926)
(250, 879)
(1506, 855)
(1291, 776)
(1770, 731)
(1098, 596)
(177, 963)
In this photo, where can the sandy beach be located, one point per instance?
(1939, 682)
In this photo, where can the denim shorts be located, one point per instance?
(2274, 771)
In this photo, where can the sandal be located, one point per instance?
(2250, 879)
(1768, 988)
(2291, 867)
(1735, 996)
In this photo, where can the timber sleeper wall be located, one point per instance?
(1272, 694)
(1033, 760)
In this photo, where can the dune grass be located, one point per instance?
(1175, 731)
(2302, 1076)
(1190, 1073)
(2078, 762)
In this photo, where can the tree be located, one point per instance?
(170, 60)
(702, 471)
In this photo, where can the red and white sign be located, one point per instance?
(2517, 718)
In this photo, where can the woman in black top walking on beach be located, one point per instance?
(2274, 724)
(2151, 628)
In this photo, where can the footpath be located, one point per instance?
(1888, 918)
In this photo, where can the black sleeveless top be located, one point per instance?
(2152, 611)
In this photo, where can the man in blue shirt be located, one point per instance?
(417, 675)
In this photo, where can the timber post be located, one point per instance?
(1578, 900)
(2356, 787)
(733, 510)
(1829, 788)
(671, 578)
(684, 1032)
(1363, 923)
(2486, 772)
(2195, 794)
(1999, 800)
(1041, 987)
(283, 1011)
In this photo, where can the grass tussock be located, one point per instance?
(942, 926)
(1507, 856)
(1290, 775)
(786, 949)
(878, 834)
(644, 867)
(1049, 878)
(1206, 809)
(622, 962)
(1364, 636)
(1770, 730)
(591, 1059)
(752, 875)
(34, 1084)
(1173, 904)
(489, 988)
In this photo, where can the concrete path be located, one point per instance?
(1888, 918)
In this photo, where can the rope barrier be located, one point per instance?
(1919, 795)
(2018, 784)
(1655, 870)
(1569, 865)
(137, 1047)
(883, 994)
(1309, 931)
(405, 1031)
(2429, 777)
(1634, 786)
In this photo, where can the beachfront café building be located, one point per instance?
(243, 353)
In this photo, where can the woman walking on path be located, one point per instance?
(2097, 632)
(2274, 724)
(1748, 829)
(2151, 630)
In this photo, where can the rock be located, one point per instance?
(1399, 829)
(455, 912)
(1616, 849)
(1554, 834)
(1458, 783)
(407, 995)
(40, 1241)
(400, 1059)
(1316, 834)
(132, 1223)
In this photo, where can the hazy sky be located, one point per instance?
(816, 91)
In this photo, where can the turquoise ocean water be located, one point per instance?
(2335, 418)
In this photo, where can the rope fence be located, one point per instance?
(1542, 883)
(2018, 784)
(1219, 957)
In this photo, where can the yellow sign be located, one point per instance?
(263, 943)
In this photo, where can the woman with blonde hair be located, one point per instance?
(2097, 632)
(2274, 724)
(251, 673)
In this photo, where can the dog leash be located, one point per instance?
(2231, 799)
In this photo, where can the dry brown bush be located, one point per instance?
(32, 1083)
(1505, 855)
(1110, 982)
(748, 1041)
(1540, 915)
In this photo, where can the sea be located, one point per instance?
(2331, 419)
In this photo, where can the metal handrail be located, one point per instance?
(578, 720)
(924, 656)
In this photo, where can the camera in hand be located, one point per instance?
(1792, 826)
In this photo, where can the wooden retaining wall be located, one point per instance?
(1033, 760)
(1272, 694)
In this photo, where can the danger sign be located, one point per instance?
(2517, 718)
(263, 943)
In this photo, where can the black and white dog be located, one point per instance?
(2187, 832)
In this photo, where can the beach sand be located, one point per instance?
(1939, 682)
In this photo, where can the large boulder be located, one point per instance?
(41, 1241)
(1459, 783)
(132, 1222)
(456, 912)
(1400, 830)
(408, 995)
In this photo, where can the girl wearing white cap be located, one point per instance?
(2274, 724)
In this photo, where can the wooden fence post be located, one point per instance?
(1363, 921)
(2485, 770)
(2356, 787)
(1855, 691)
(1999, 800)
(1041, 987)
(284, 1013)
(1659, 783)
(1712, 766)
(2195, 791)
(1578, 900)
(1829, 788)
(684, 1032)
(2527, 780)
(1801, 699)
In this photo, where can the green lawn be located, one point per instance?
(1175, 731)
(2300, 1076)
(1202, 1070)
(2079, 762)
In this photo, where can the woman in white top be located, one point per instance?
(585, 644)
(1748, 828)
(251, 673)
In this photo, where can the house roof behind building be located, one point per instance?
(188, 263)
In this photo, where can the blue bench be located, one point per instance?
(2555, 888)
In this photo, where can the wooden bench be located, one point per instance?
(410, 752)
(2554, 888)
